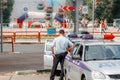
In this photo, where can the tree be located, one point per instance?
(116, 9)
(7, 11)
(103, 8)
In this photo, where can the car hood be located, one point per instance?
(106, 67)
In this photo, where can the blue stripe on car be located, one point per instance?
(79, 64)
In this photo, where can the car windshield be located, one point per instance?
(48, 47)
(102, 52)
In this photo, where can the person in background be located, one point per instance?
(105, 22)
(61, 46)
(114, 23)
(102, 26)
(96, 25)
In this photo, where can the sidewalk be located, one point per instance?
(25, 76)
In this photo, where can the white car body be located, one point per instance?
(85, 66)
(48, 58)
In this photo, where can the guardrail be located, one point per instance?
(9, 41)
(20, 34)
(38, 35)
(10, 37)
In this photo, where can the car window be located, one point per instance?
(102, 52)
(48, 47)
(114, 51)
(77, 51)
(74, 51)
(94, 52)
(80, 51)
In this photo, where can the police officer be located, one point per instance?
(60, 47)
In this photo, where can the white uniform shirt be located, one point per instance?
(60, 44)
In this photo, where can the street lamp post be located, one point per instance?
(1, 21)
(2, 7)
(93, 13)
(76, 14)
(51, 15)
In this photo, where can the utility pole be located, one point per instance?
(51, 14)
(2, 7)
(93, 13)
(76, 14)
(1, 22)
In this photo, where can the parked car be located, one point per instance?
(93, 60)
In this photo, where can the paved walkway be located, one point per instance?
(32, 76)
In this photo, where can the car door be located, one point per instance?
(76, 59)
(48, 59)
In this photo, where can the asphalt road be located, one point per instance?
(24, 48)
(26, 57)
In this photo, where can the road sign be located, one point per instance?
(51, 31)
(109, 36)
(64, 8)
(68, 8)
(71, 8)
(84, 9)
(25, 9)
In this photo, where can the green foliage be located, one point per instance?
(116, 9)
(109, 9)
(7, 11)
(104, 9)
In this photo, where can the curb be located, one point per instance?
(31, 72)
(29, 42)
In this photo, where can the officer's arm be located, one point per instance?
(52, 48)
(53, 54)
(70, 48)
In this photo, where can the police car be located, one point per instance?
(48, 59)
(93, 60)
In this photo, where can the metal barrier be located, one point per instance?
(25, 34)
(37, 34)
(11, 41)
(22, 33)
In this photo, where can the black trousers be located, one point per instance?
(59, 58)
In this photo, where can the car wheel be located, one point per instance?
(83, 78)
(66, 76)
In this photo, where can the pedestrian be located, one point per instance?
(105, 23)
(84, 22)
(96, 25)
(61, 46)
(114, 23)
(102, 26)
